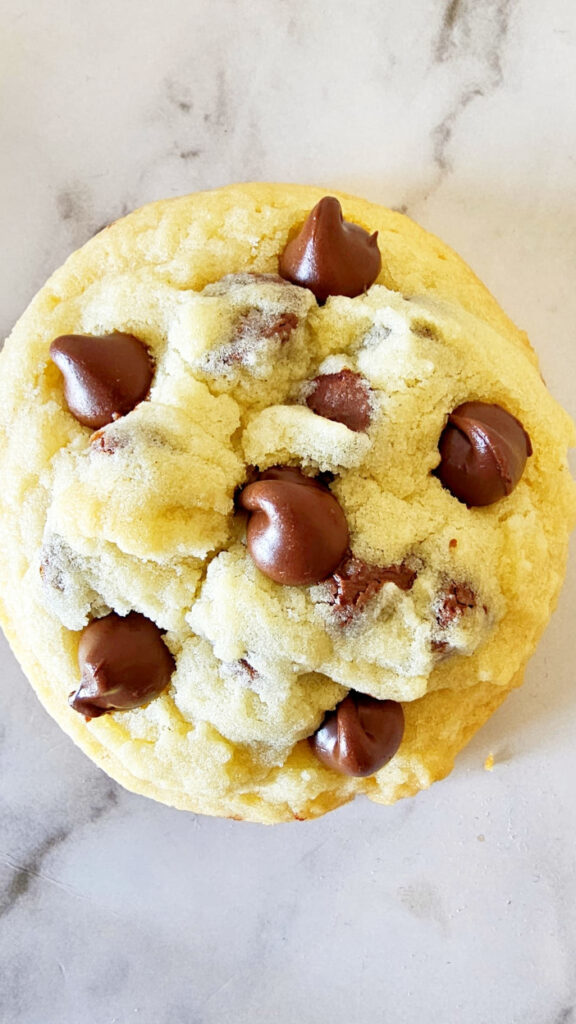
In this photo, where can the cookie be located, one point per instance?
(285, 502)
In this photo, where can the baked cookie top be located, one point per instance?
(429, 596)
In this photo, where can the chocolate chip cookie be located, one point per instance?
(285, 501)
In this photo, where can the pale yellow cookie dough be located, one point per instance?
(147, 523)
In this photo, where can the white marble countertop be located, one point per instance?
(458, 906)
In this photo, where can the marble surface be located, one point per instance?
(458, 906)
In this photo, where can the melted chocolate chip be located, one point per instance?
(297, 532)
(483, 452)
(355, 583)
(240, 671)
(360, 736)
(344, 397)
(107, 441)
(254, 327)
(280, 327)
(256, 324)
(424, 329)
(124, 664)
(440, 646)
(247, 669)
(455, 600)
(104, 377)
(331, 256)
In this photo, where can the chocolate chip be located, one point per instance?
(483, 452)
(454, 601)
(124, 664)
(104, 377)
(331, 256)
(344, 397)
(355, 583)
(297, 532)
(360, 736)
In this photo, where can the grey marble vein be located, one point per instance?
(472, 29)
(451, 15)
(195, 123)
(122, 210)
(190, 154)
(473, 35)
(566, 1015)
(26, 874)
(26, 871)
(179, 95)
(442, 133)
(219, 116)
(78, 213)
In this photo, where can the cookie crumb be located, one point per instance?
(489, 763)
